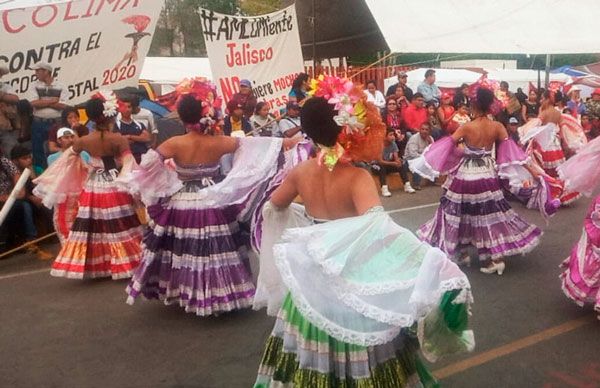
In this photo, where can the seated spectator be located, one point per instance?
(402, 84)
(414, 148)
(235, 123)
(461, 96)
(290, 125)
(414, 115)
(391, 114)
(65, 138)
(374, 96)
(9, 131)
(460, 117)
(587, 126)
(434, 121)
(135, 132)
(263, 123)
(401, 99)
(428, 89)
(512, 129)
(390, 163)
(69, 119)
(21, 218)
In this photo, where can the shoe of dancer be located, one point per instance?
(105, 236)
(473, 210)
(364, 293)
(195, 252)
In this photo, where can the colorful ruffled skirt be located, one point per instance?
(194, 256)
(581, 276)
(473, 211)
(105, 237)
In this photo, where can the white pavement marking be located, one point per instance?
(406, 209)
(25, 273)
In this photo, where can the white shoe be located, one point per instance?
(385, 191)
(408, 188)
(494, 267)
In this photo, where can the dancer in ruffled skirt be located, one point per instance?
(195, 253)
(473, 210)
(581, 270)
(364, 293)
(105, 237)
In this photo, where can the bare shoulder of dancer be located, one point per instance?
(364, 192)
(285, 194)
(501, 133)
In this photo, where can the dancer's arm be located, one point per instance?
(285, 194)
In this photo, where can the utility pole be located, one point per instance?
(314, 38)
(548, 60)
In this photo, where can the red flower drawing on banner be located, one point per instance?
(139, 23)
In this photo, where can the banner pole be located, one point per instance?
(12, 197)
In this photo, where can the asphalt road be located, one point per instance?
(68, 333)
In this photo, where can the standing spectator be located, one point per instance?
(461, 96)
(521, 97)
(30, 206)
(235, 123)
(434, 121)
(300, 88)
(512, 129)
(512, 107)
(428, 88)
(390, 163)
(391, 115)
(530, 106)
(290, 125)
(414, 115)
(65, 138)
(575, 105)
(8, 113)
(414, 148)
(402, 80)
(374, 96)
(586, 124)
(245, 98)
(134, 131)
(48, 99)
(69, 118)
(263, 123)
(593, 109)
(145, 117)
(445, 111)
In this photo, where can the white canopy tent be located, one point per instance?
(520, 78)
(488, 26)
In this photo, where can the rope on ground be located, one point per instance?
(25, 245)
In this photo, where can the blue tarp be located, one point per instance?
(568, 70)
(154, 107)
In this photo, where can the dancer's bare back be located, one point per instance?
(193, 148)
(101, 144)
(346, 191)
(481, 133)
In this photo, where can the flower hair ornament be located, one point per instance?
(110, 102)
(501, 99)
(361, 137)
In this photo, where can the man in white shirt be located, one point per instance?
(8, 102)
(48, 98)
(143, 116)
(290, 125)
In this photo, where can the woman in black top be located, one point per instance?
(530, 107)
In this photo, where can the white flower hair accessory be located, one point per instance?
(109, 102)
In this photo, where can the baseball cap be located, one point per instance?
(233, 105)
(246, 82)
(402, 74)
(445, 95)
(4, 70)
(64, 131)
(292, 105)
(41, 65)
(513, 120)
(596, 91)
(573, 89)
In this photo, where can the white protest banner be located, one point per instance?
(91, 44)
(263, 49)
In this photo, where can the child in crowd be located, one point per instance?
(235, 124)
(414, 148)
(434, 121)
(69, 119)
(390, 163)
(460, 117)
(263, 123)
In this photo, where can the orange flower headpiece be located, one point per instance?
(363, 130)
